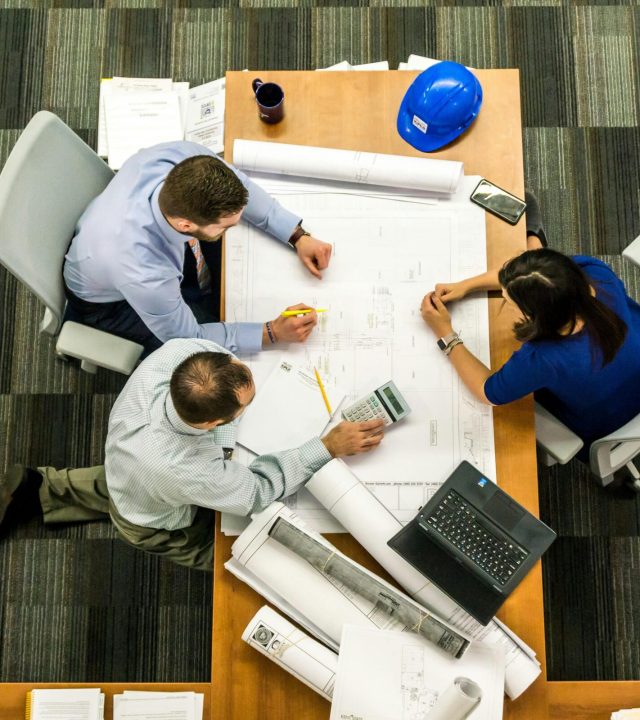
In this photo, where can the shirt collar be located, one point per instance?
(177, 422)
(169, 233)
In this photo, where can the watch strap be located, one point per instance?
(297, 234)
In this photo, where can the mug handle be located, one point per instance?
(256, 84)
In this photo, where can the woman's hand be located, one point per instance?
(436, 315)
(450, 292)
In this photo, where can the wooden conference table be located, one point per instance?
(357, 110)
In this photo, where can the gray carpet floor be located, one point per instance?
(75, 604)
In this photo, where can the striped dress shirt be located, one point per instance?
(160, 469)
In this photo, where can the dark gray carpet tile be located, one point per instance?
(542, 47)
(413, 27)
(74, 48)
(586, 633)
(22, 56)
(137, 43)
(478, 37)
(573, 504)
(587, 182)
(606, 65)
(87, 624)
(206, 42)
(348, 33)
(56, 430)
(578, 609)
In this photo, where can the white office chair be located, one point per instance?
(606, 455)
(46, 184)
(632, 252)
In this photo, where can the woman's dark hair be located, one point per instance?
(554, 294)
(204, 387)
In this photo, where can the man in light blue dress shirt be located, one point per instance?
(168, 459)
(127, 266)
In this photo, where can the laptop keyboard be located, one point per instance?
(458, 522)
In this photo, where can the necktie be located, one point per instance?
(204, 278)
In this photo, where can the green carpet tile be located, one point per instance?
(75, 603)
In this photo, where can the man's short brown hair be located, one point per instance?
(205, 386)
(202, 189)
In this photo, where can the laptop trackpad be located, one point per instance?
(450, 576)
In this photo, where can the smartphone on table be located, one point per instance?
(499, 202)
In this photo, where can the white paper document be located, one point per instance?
(387, 253)
(137, 120)
(205, 115)
(386, 675)
(398, 171)
(149, 705)
(295, 652)
(109, 86)
(363, 515)
(67, 704)
(287, 411)
(345, 65)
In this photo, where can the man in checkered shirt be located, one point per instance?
(168, 460)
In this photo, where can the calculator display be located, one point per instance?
(393, 400)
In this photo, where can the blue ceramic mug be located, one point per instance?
(270, 100)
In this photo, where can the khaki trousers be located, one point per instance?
(75, 495)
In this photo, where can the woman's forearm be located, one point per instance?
(472, 372)
(485, 281)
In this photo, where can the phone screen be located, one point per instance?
(498, 201)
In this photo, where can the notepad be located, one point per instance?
(65, 704)
(288, 410)
(149, 705)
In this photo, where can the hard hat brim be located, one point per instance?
(425, 142)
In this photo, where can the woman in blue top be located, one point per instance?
(580, 333)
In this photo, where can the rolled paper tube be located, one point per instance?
(458, 701)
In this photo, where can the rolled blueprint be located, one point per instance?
(457, 702)
(293, 650)
(320, 601)
(371, 524)
(384, 598)
(351, 166)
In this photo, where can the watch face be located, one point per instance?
(442, 344)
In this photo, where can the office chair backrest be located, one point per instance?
(46, 184)
(612, 452)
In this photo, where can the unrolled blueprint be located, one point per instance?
(388, 252)
(386, 675)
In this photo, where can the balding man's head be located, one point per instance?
(211, 387)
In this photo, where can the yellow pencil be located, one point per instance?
(293, 313)
(324, 394)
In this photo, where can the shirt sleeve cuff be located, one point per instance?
(249, 337)
(314, 454)
(284, 223)
(225, 435)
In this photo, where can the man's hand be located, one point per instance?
(436, 315)
(314, 254)
(292, 329)
(351, 438)
(449, 292)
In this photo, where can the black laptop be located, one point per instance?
(473, 541)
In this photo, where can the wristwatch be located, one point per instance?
(448, 342)
(297, 234)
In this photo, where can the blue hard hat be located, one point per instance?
(439, 105)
